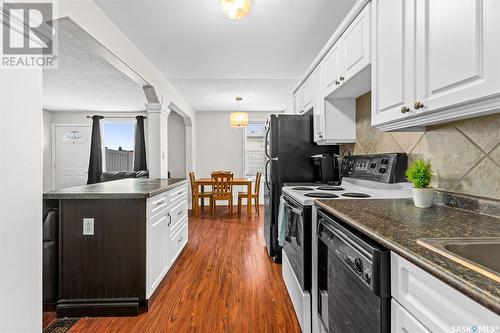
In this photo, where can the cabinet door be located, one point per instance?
(318, 103)
(458, 51)
(356, 45)
(392, 68)
(157, 251)
(403, 322)
(332, 64)
(307, 94)
(297, 101)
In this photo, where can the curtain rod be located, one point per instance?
(117, 117)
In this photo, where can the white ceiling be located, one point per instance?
(83, 81)
(211, 59)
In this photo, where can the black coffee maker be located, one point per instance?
(327, 168)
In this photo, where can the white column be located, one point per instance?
(20, 200)
(157, 140)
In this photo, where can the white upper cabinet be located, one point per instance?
(297, 101)
(356, 45)
(332, 66)
(458, 52)
(393, 60)
(307, 94)
(434, 61)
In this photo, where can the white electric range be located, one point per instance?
(366, 177)
(350, 188)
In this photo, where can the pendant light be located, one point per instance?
(235, 9)
(239, 119)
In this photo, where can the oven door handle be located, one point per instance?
(293, 209)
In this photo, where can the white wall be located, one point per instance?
(219, 146)
(176, 145)
(21, 200)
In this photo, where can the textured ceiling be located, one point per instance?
(83, 81)
(219, 95)
(201, 51)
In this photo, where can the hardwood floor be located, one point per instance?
(223, 281)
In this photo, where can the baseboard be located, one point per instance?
(97, 308)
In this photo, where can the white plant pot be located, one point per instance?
(423, 197)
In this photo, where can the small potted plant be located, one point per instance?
(419, 174)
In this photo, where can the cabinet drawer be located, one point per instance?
(178, 214)
(436, 305)
(178, 241)
(403, 322)
(157, 204)
(177, 194)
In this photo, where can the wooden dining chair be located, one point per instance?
(201, 195)
(255, 195)
(222, 189)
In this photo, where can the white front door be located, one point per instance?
(72, 154)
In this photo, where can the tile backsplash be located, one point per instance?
(465, 155)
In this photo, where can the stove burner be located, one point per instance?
(302, 188)
(330, 188)
(321, 195)
(355, 195)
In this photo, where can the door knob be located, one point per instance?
(337, 82)
(341, 78)
(418, 105)
(405, 109)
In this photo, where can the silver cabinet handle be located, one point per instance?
(405, 109)
(180, 240)
(418, 105)
(159, 203)
(179, 213)
(169, 220)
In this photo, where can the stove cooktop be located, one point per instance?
(330, 188)
(302, 188)
(355, 195)
(321, 195)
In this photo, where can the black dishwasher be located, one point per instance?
(353, 280)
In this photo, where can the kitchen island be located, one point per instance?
(116, 242)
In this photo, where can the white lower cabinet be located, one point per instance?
(166, 234)
(434, 304)
(403, 322)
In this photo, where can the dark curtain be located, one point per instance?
(95, 165)
(140, 146)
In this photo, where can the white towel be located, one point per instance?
(282, 223)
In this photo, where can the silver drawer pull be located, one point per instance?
(180, 240)
(179, 213)
(169, 219)
(159, 203)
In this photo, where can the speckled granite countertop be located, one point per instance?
(397, 224)
(130, 188)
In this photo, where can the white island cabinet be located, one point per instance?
(166, 233)
(434, 61)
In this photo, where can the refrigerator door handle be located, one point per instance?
(266, 173)
(266, 142)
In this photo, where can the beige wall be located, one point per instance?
(218, 145)
(465, 155)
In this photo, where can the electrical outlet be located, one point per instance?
(88, 226)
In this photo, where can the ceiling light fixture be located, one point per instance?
(239, 119)
(235, 9)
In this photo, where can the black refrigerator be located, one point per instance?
(289, 143)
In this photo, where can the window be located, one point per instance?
(118, 141)
(254, 148)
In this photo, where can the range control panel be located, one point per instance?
(386, 168)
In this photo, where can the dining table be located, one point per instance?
(200, 183)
